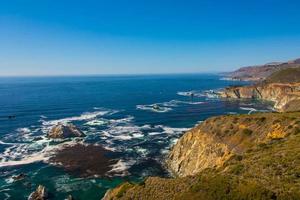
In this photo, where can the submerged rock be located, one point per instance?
(40, 193)
(19, 177)
(65, 131)
(70, 197)
(84, 160)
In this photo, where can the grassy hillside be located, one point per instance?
(290, 75)
(265, 168)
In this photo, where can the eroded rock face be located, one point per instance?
(196, 151)
(65, 131)
(40, 193)
(285, 96)
(213, 142)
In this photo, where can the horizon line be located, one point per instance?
(112, 74)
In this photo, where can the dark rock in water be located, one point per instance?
(40, 193)
(70, 197)
(19, 177)
(84, 160)
(65, 131)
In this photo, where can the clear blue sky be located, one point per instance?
(60, 37)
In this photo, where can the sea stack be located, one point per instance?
(65, 131)
(40, 193)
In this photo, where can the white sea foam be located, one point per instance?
(137, 135)
(120, 168)
(170, 130)
(142, 152)
(23, 130)
(193, 93)
(6, 143)
(187, 94)
(155, 133)
(22, 154)
(96, 122)
(160, 109)
(84, 117)
(210, 94)
(231, 113)
(188, 102)
(249, 109)
(123, 137)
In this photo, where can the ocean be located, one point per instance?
(136, 117)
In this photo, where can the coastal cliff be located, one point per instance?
(286, 96)
(216, 140)
(229, 157)
(281, 87)
(261, 72)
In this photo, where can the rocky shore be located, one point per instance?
(286, 96)
(229, 157)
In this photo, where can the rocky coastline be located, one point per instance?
(235, 156)
(285, 96)
(229, 157)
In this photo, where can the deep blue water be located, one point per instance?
(115, 112)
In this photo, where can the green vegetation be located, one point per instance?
(265, 167)
(247, 131)
(288, 75)
(124, 187)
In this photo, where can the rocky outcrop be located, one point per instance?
(285, 95)
(19, 177)
(216, 140)
(229, 157)
(65, 131)
(40, 193)
(196, 151)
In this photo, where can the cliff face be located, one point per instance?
(285, 95)
(196, 151)
(212, 143)
(229, 157)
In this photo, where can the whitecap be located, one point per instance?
(188, 102)
(120, 168)
(170, 130)
(187, 94)
(96, 123)
(155, 133)
(123, 137)
(6, 143)
(137, 135)
(84, 117)
(23, 130)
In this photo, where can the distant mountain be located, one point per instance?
(289, 75)
(261, 72)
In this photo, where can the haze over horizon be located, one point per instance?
(144, 37)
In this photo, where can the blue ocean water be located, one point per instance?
(137, 117)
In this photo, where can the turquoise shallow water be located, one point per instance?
(115, 112)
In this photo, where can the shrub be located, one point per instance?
(247, 131)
